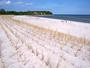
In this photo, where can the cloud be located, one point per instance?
(28, 3)
(23, 3)
(5, 2)
(8, 2)
(19, 3)
(14, 3)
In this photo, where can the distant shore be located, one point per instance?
(4, 12)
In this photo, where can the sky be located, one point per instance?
(55, 6)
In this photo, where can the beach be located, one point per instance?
(36, 42)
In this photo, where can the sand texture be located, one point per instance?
(34, 42)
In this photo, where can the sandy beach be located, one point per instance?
(36, 42)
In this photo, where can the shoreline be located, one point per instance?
(69, 27)
(77, 18)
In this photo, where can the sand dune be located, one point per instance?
(34, 42)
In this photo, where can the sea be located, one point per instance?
(78, 18)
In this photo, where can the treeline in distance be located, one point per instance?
(2, 12)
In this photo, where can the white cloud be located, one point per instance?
(5, 2)
(8, 2)
(24, 3)
(28, 3)
(19, 2)
(14, 3)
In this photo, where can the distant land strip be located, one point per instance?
(4, 12)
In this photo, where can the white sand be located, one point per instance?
(70, 27)
(23, 46)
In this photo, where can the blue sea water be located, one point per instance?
(78, 18)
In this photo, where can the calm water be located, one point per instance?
(79, 18)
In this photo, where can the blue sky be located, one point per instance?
(56, 6)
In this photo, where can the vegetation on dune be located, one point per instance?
(2, 11)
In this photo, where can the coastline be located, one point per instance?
(77, 18)
(69, 27)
